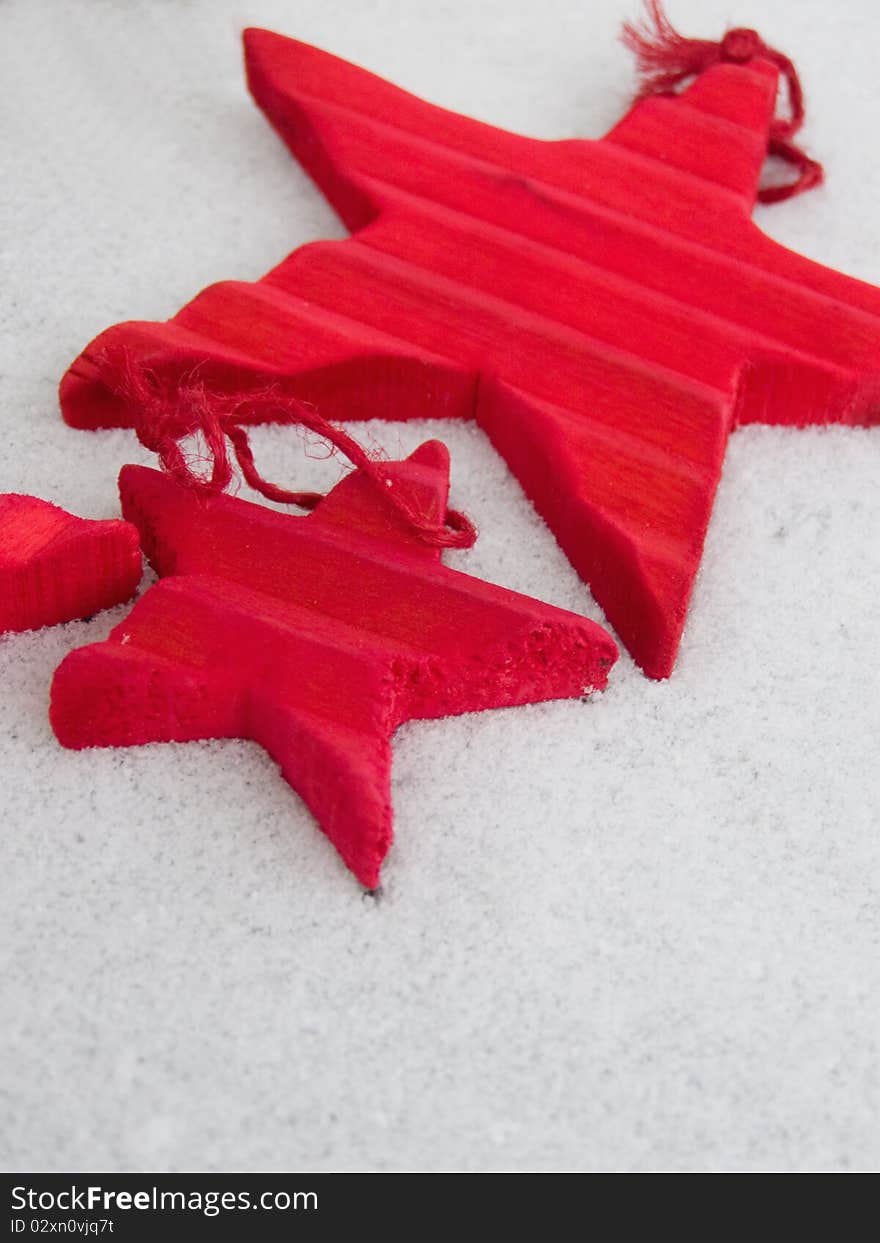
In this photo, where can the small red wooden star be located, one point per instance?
(55, 567)
(606, 310)
(315, 636)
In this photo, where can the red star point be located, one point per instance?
(55, 567)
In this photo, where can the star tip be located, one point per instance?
(259, 43)
(433, 453)
(252, 35)
(132, 481)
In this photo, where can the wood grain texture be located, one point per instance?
(55, 567)
(316, 637)
(606, 310)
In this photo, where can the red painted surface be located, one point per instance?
(55, 567)
(315, 636)
(606, 310)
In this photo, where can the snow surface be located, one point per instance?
(636, 934)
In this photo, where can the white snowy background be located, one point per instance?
(636, 934)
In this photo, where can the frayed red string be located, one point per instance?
(666, 58)
(165, 415)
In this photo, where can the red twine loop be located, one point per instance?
(666, 58)
(165, 415)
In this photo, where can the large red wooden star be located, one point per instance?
(606, 310)
(316, 637)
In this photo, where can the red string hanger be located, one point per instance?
(164, 416)
(666, 59)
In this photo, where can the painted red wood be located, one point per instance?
(315, 636)
(55, 567)
(606, 310)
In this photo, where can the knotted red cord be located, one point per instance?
(666, 58)
(164, 415)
